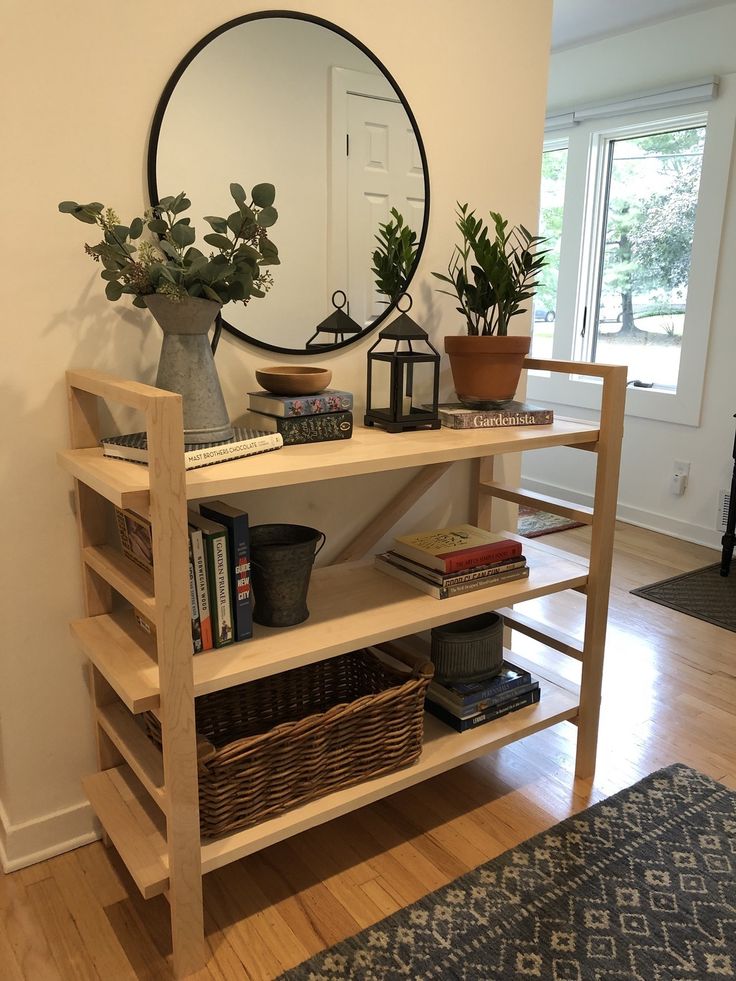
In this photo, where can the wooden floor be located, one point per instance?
(669, 695)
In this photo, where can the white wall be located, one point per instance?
(685, 48)
(82, 82)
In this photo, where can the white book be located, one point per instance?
(245, 442)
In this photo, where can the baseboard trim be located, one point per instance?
(651, 520)
(44, 837)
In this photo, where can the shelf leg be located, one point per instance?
(599, 579)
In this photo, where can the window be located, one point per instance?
(633, 209)
(640, 278)
(554, 170)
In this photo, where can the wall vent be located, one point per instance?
(724, 499)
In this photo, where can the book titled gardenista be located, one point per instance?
(454, 415)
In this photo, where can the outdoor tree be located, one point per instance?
(651, 216)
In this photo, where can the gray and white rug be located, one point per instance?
(640, 887)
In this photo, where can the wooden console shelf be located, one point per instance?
(146, 798)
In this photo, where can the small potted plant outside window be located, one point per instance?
(492, 274)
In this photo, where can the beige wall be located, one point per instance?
(81, 84)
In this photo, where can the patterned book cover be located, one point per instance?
(307, 429)
(135, 538)
(331, 400)
(454, 415)
(245, 442)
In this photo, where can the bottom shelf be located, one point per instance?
(136, 826)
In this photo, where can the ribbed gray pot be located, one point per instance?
(468, 650)
(187, 365)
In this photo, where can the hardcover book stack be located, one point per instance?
(219, 571)
(466, 706)
(304, 418)
(447, 562)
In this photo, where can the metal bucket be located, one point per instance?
(281, 559)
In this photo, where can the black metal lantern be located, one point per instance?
(334, 327)
(403, 380)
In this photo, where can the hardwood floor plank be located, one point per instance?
(22, 928)
(66, 945)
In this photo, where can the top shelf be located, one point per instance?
(369, 451)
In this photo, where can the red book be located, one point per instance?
(457, 548)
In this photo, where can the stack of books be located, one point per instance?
(303, 418)
(219, 571)
(465, 706)
(446, 562)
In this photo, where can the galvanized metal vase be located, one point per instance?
(187, 365)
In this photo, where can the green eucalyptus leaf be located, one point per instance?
(158, 225)
(211, 294)
(181, 203)
(114, 290)
(136, 228)
(68, 207)
(217, 224)
(182, 235)
(219, 241)
(238, 193)
(138, 301)
(263, 195)
(166, 203)
(267, 217)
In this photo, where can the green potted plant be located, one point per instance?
(184, 288)
(394, 257)
(492, 274)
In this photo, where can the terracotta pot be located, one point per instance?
(486, 370)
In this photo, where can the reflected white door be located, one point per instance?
(384, 172)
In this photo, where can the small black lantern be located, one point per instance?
(403, 381)
(335, 327)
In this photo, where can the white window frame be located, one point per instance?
(587, 146)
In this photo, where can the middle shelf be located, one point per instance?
(351, 605)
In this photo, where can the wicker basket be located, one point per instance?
(281, 741)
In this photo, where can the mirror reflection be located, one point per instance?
(294, 103)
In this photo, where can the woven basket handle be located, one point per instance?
(420, 664)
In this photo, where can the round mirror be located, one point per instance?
(294, 101)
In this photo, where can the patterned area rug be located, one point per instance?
(704, 594)
(534, 523)
(641, 887)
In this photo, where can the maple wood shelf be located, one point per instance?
(146, 798)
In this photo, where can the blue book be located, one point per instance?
(464, 695)
(235, 522)
(288, 407)
(511, 704)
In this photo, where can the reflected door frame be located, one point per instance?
(344, 82)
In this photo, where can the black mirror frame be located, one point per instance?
(156, 132)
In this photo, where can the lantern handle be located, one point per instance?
(339, 306)
(403, 296)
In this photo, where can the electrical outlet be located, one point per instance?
(682, 468)
(724, 500)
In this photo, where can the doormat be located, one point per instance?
(642, 885)
(703, 593)
(533, 523)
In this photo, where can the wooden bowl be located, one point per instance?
(294, 379)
